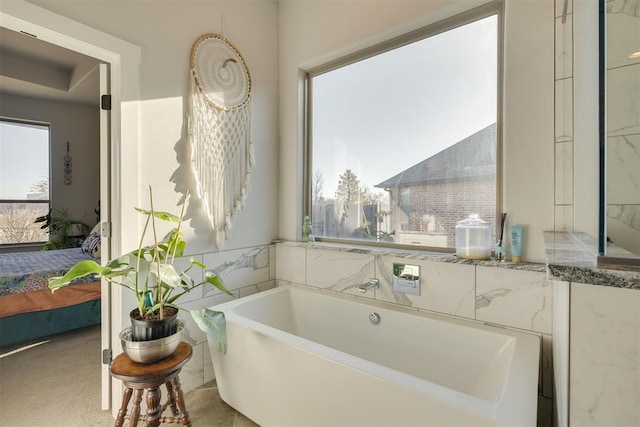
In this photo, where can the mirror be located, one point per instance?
(619, 71)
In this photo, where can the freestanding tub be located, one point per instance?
(300, 357)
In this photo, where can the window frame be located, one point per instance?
(27, 201)
(495, 7)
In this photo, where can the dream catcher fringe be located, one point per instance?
(219, 130)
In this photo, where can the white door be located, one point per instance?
(105, 220)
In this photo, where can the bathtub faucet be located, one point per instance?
(372, 283)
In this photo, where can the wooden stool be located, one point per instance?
(137, 377)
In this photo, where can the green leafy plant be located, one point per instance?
(149, 272)
(58, 222)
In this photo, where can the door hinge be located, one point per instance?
(106, 356)
(105, 230)
(105, 101)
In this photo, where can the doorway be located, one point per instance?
(121, 61)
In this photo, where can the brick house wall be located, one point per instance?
(449, 202)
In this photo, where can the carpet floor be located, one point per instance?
(56, 382)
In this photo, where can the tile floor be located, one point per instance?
(206, 408)
(72, 355)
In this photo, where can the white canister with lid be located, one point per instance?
(473, 238)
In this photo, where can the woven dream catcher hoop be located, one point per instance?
(219, 125)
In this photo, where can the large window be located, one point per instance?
(24, 180)
(403, 138)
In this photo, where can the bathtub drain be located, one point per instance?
(374, 318)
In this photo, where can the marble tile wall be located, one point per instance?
(605, 356)
(518, 299)
(564, 117)
(623, 124)
(561, 352)
(244, 272)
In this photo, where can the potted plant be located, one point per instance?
(59, 223)
(149, 272)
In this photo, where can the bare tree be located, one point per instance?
(317, 187)
(17, 226)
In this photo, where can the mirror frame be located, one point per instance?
(604, 261)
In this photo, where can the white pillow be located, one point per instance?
(97, 250)
(96, 229)
(91, 245)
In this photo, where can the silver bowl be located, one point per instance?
(153, 350)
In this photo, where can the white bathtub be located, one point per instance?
(299, 357)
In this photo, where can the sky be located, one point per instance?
(376, 117)
(384, 114)
(24, 158)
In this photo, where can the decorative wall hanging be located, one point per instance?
(219, 130)
(67, 167)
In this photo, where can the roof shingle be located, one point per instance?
(472, 157)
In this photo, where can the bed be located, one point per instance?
(29, 310)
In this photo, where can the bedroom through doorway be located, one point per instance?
(46, 80)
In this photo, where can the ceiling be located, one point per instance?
(36, 69)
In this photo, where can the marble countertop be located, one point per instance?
(573, 257)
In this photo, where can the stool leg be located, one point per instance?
(153, 407)
(135, 410)
(172, 399)
(123, 409)
(177, 390)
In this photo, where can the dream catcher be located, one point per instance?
(219, 122)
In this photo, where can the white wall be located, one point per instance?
(312, 32)
(78, 124)
(166, 31)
